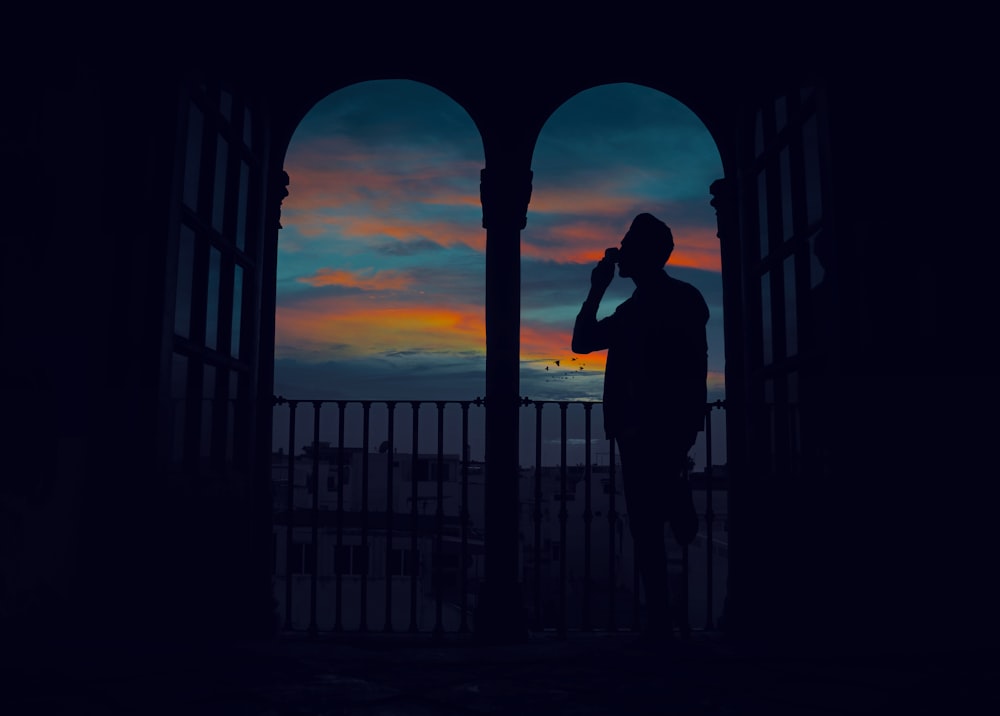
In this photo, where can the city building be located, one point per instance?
(381, 540)
(369, 534)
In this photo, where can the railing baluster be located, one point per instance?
(314, 521)
(551, 610)
(588, 516)
(389, 508)
(414, 520)
(563, 514)
(339, 549)
(537, 514)
(464, 518)
(709, 518)
(685, 592)
(612, 517)
(636, 586)
(365, 557)
(439, 519)
(685, 613)
(289, 528)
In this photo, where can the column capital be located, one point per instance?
(724, 200)
(279, 190)
(505, 195)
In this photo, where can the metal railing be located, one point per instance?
(329, 539)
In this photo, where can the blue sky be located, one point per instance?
(381, 258)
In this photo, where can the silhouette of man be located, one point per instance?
(654, 394)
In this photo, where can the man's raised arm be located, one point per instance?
(588, 333)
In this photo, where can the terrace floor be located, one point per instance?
(585, 674)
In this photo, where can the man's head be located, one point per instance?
(645, 247)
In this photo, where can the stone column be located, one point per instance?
(725, 200)
(504, 191)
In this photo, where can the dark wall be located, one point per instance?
(83, 273)
(891, 538)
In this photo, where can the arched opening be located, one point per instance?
(380, 260)
(380, 333)
(607, 154)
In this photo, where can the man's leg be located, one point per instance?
(651, 558)
(681, 512)
(644, 500)
(678, 500)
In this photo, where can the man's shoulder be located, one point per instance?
(683, 289)
(678, 285)
(687, 295)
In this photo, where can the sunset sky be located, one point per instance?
(381, 256)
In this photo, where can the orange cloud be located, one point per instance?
(370, 325)
(455, 198)
(601, 200)
(358, 326)
(356, 199)
(401, 224)
(408, 228)
(544, 345)
(366, 181)
(585, 241)
(696, 247)
(377, 281)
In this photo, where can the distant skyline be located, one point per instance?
(381, 258)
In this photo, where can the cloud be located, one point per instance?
(371, 183)
(395, 113)
(381, 265)
(374, 324)
(584, 242)
(414, 375)
(610, 153)
(573, 195)
(377, 280)
(364, 229)
(386, 169)
(629, 125)
(407, 248)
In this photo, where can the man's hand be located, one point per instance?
(602, 275)
(587, 335)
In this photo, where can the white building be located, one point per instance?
(374, 547)
(553, 548)
(365, 530)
